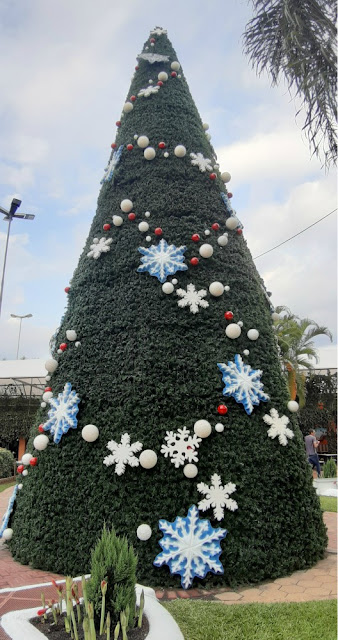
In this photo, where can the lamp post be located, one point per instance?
(9, 215)
(13, 315)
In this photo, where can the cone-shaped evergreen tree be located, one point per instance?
(157, 355)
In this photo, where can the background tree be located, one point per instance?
(320, 410)
(296, 39)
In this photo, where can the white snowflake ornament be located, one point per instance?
(217, 496)
(278, 427)
(153, 57)
(98, 247)
(111, 166)
(243, 383)
(181, 446)
(122, 454)
(192, 298)
(158, 31)
(198, 160)
(190, 547)
(162, 260)
(148, 91)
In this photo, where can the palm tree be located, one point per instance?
(296, 38)
(295, 341)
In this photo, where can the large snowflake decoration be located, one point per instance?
(198, 160)
(278, 427)
(62, 415)
(192, 298)
(217, 496)
(191, 547)
(181, 446)
(122, 453)
(162, 260)
(148, 91)
(110, 168)
(98, 247)
(243, 383)
(153, 57)
(158, 31)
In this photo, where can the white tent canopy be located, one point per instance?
(22, 369)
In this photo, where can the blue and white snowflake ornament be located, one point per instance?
(62, 415)
(191, 547)
(243, 383)
(8, 512)
(110, 168)
(162, 260)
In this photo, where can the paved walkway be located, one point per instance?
(318, 583)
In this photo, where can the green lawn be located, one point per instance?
(5, 486)
(328, 504)
(289, 621)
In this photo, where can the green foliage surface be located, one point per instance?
(330, 469)
(296, 621)
(16, 415)
(146, 366)
(328, 504)
(6, 463)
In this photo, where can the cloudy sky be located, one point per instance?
(65, 71)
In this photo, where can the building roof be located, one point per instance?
(22, 369)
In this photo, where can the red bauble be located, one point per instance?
(118, 123)
(33, 462)
(212, 176)
(48, 389)
(113, 145)
(137, 67)
(67, 289)
(222, 409)
(131, 216)
(239, 231)
(20, 468)
(132, 98)
(173, 74)
(130, 147)
(158, 231)
(194, 261)
(160, 83)
(40, 428)
(106, 227)
(161, 145)
(229, 194)
(228, 315)
(195, 237)
(215, 226)
(63, 346)
(152, 40)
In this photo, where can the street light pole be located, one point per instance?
(9, 215)
(13, 315)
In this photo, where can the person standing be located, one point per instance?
(311, 445)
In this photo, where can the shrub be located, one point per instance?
(330, 469)
(113, 560)
(6, 463)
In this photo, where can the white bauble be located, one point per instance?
(225, 176)
(226, 288)
(166, 154)
(216, 289)
(47, 396)
(71, 335)
(175, 65)
(163, 76)
(47, 378)
(25, 472)
(275, 316)
(126, 205)
(208, 136)
(51, 365)
(253, 334)
(149, 153)
(223, 240)
(59, 351)
(40, 442)
(167, 287)
(205, 126)
(135, 136)
(117, 221)
(202, 428)
(190, 470)
(26, 458)
(127, 107)
(246, 352)
(143, 226)
(142, 142)
(148, 238)
(233, 331)
(78, 344)
(219, 427)
(240, 323)
(207, 232)
(90, 433)
(174, 281)
(293, 406)
(206, 250)
(147, 214)
(148, 459)
(180, 151)
(143, 532)
(20, 486)
(7, 534)
(232, 223)
(43, 404)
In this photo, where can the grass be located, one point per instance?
(288, 621)
(328, 504)
(5, 486)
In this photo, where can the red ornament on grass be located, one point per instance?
(158, 231)
(132, 98)
(222, 409)
(20, 468)
(33, 462)
(228, 315)
(63, 346)
(195, 237)
(194, 262)
(118, 123)
(173, 74)
(40, 428)
(131, 216)
(212, 176)
(106, 227)
(239, 231)
(113, 145)
(161, 145)
(215, 226)
(67, 289)
(160, 83)
(130, 147)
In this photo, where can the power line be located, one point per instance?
(296, 234)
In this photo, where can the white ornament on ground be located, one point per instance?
(192, 298)
(143, 532)
(232, 223)
(217, 496)
(253, 334)
(167, 287)
(180, 151)
(90, 433)
(202, 428)
(148, 91)
(198, 160)
(51, 365)
(233, 331)
(293, 406)
(206, 250)
(278, 427)
(148, 459)
(122, 454)
(98, 247)
(216, 289)
(40, 442)
(190, 471)
(181, 446)
(71, 335)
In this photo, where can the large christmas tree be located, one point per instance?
(167, 413)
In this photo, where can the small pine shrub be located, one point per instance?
(6, 463)
(113, 560)
(330, 469)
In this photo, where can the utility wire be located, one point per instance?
(296, 234)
